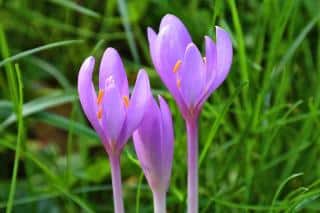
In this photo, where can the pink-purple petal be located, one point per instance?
(167, 138)
(179, 29)
(113, 114)
(137, 105)
(168, 51)
(87, 94)
(192, 76)
(211, 60)
(111, 65)
(224, 55)
(153, 151)
(152, 39)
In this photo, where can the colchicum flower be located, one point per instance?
(112, 113)
(190, 78)
(153, 142)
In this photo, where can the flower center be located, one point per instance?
(125, 100)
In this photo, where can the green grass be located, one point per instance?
(259, 132)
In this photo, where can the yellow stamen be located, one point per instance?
(178, 83)
(100, 96)
(177, 66)
(99, 114)
(125, 101)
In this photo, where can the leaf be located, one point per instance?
(38, 105)
(38, 49)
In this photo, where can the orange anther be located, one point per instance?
(99, 114)
(125, 101)
(100, 96)
(178, 83)
(177, 66)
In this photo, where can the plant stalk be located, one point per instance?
(192, 134)
(159, 202)
(116, 183)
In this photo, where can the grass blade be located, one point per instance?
(38, 49)
(52, 70)
(125, 20)
(74, 6)
(38, 105)
(297, 43)
(66, 124)
(19, 142)
(218, 122)
(54, 180)
(281, 187)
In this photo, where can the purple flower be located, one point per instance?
(112, 113)
(153, 142)
(189, 77)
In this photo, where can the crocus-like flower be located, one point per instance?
(191, 78)
(113, 113)
(153, 142)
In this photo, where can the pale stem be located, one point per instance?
(116, 183)
(192, 133)
(159, 202)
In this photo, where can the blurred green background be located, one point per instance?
(259, 132)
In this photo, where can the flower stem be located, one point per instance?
(192, 131)
(159, 202)
(116, 183)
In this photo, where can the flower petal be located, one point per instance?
(192, 76)
(168, 51)
(147, 142)
(111, 65)
(167, 139)
(113, 112)
(138, 102)
(87, 94)
(171, 46)
(211, 60)
(224, 56)
(179, 29)
(152, 39)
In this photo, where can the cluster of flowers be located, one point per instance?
(116, 115)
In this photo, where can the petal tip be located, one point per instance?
(218, 28)
(87, 65)
(161, 99)
(191, 46)
(222, 32)
(169, 16)
(110, 51)
(143, 77)
(88, 61)
(142, 73)
(207, 38)
(150, 30)
(163, 104)
(192, 49)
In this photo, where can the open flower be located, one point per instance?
(112, 113)
(153, 142)
(189, 77)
